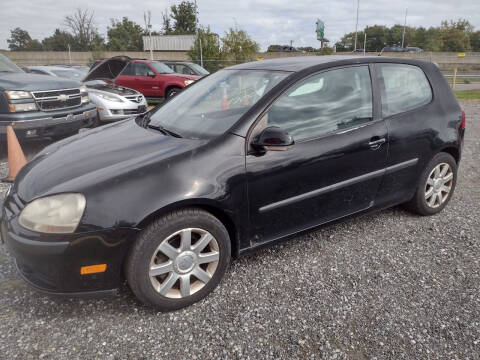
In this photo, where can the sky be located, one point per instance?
(266, 21)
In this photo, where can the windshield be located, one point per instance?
(199, 69)
(70, 74)
(161, 68)
(7, 65)
(215, 103)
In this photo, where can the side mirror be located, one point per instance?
(273, 138)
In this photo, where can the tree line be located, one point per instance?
(80, 33)
(451, 35)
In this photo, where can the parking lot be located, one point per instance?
(387, 285)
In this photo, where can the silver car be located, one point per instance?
(113, 102)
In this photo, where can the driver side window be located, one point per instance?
(141, 69)
(324, 103)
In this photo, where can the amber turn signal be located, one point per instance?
(93, 269)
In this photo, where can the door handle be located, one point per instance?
(375, 144)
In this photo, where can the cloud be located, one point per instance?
(267, 21)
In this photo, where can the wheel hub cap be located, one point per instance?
(185, 262)
(439, 185)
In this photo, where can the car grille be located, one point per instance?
(139, 110)
(135, 98)
(57, 99)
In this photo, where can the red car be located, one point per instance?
(153, 79)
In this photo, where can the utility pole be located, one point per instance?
(69, 54)
(356, 26)
(198, 37)
(404, 26)
(365, 44)
(146, 17)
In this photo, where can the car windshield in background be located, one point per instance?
(161, 68)
(7, 66)
(70, 74)
(199, 69)
(214, 104)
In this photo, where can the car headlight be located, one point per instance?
(188, 82)
(83, 89)
(56, 214)
(22, 107)
(15, 95)
(110, 98)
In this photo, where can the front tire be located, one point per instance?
(436, 186)
(178, 259)
(173, 91)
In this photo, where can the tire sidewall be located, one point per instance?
(420, 195)
(151, 239)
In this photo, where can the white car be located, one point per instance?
(113, 102)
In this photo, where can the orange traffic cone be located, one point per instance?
(225, 104)
(16, 158)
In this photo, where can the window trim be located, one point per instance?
(253, 127)
(381, 89)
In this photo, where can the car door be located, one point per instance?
(336, 164)
(149, 82)
(406, 98)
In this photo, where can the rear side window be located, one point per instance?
(406, 88)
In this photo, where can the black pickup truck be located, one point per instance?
(42, 106)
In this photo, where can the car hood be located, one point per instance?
(34, 82)
(183, 76)
(97, 156)
(113, 89)
(108, 69)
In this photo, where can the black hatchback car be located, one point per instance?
(247, 156)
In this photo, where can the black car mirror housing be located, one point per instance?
(273, 138)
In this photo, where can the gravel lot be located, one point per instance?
(387, 285)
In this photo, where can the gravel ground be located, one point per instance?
(387, 285)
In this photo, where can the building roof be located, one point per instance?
(169, 42)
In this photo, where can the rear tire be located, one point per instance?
(435, 187)
(178, 259)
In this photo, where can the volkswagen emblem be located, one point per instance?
(62, 97)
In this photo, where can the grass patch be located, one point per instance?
(467, 94)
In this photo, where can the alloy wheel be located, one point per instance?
(184, 263)
(439, 184)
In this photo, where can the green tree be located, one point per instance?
(125, 35)
(59, 41)
(455, 35)
(212, 53)
(167, 28)
(376, 37)
(238, 46)
(475, 41)
(183, 18)
(20, 40)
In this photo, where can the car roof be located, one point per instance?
(51, 67)
(299, 63)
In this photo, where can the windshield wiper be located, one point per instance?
(163, 130)
(146, 124)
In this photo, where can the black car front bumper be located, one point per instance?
(51, 264)
(51, 124)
